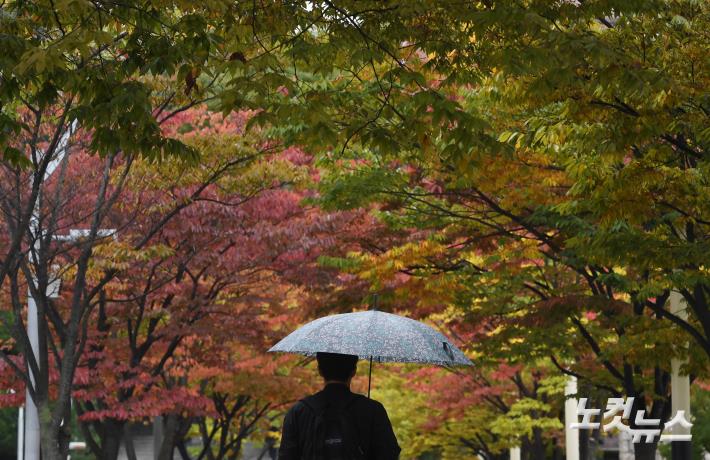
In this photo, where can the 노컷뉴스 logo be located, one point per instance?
(646, 429)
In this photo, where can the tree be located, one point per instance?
(205, 289)
(611, 95)
(580, 92)
(8, 433)
(519, 297)
(608, 125)
(246, 396)
(92, 203)
(170, 289)
(78, 73)
(701, 437)
(469, 414)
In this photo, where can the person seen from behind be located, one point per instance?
(335, 423)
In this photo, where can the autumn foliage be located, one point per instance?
(181, 329)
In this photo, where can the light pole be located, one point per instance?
(20, 429)
(32, 430)
(515, 453)
(31, 438)
(32, 434)
(571, 434)
(680, 387)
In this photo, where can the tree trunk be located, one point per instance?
(128, 442)
(537, 446)
(182, 449)
(50, 448)
(557, 453)
(182, 430)
(49, 433)
(112, 432)
(168, 444)
(584, 444)
(645, 451)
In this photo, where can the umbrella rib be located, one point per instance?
(370, 334)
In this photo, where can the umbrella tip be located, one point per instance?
(375, 301)
(447, 349)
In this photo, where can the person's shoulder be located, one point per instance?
(371, 404)
(315, 400)
(297, 408)
(310, 403)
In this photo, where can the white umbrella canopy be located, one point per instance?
(374, 335)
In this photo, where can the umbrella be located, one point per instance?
(374, 335)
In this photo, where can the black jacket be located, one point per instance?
(368, 417)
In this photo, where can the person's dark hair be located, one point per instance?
(334, 366)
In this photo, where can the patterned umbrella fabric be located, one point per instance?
(375, 335)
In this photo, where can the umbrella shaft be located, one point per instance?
(369, 379)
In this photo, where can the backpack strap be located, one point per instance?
(350, 430)
(313, 449)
